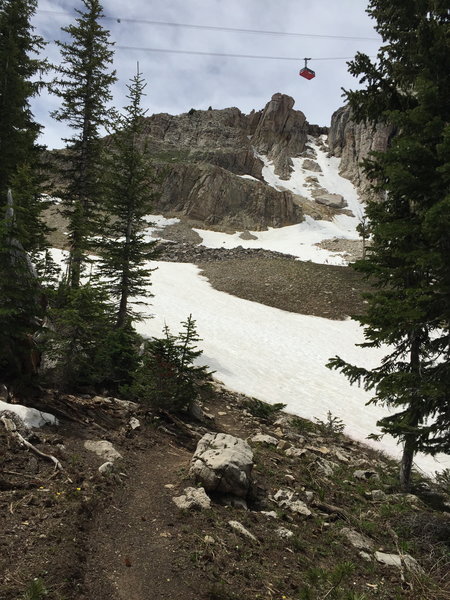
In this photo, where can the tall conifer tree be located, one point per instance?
(408, 263)
(129, 177)
(84, 83)
(20, 79)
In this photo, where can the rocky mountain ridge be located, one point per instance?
(211, 163)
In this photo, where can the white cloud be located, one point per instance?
(178, 82)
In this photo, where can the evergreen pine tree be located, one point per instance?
(407, 263)
(169, 379)
(19, 71)
(125, 248)
(84, 87)
(22, 231)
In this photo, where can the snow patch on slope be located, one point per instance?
(273, 355)
(30, 417)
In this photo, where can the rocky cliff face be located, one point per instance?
(217, 197)
(200, 155)
(280, 133)
(353, 142)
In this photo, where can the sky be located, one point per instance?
(178, 82)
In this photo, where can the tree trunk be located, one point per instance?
(407, 462)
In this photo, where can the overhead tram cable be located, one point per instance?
(224, 54)
(220, 28)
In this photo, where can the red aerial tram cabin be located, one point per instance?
(306, 72)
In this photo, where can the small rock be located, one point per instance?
(269, 513)
(296, 452)
(340, 455)
(365, 556)
(321, 450)
(364, 475)
(169, 486)
(239, 528)
(103, 449)
(283, 445)
(284, 498)
(261, 438)
(134, 423)
(309, 496)
(278, 432)
(378, 495)
(196, 411)
(193, 499)
(331, 200)
(395, 560)
(356, 539)
(299, 507)
(106, 468)
(289, 478)
(326, 467)
(208, 539)
(282, 421)
(284, 533)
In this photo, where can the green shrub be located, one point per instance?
(168, 378)
(263, 410)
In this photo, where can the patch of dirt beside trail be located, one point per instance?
(302, 287)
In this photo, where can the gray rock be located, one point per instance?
(296, 452)
(365, 556)
(239, 528)
(284, 533)
(261, 438)
(395, 560)
(356, 539)
(286, 499)
(103, 448)
(223, 463)
(326, 467)
(353, 142)
(269, 513)
(364, 475)
(378, 495)
(106, 468)
(193, 499)
(134, 423)
(280, 133)
(331, 200)
(311, 165)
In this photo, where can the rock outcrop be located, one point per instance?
(215, 196)
(352, 142)
(198, 155)
(281, 133)
(222, 463)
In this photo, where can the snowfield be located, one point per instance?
(273, 355)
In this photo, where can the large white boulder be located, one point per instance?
(222, 463)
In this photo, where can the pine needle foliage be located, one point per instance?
(83, 84)
(408, 87)
(169, 379)
(125, 249)
(20, 81)
(77, 345)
